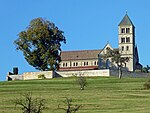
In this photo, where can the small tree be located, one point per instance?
(69, 107)
(41, 44)
(81, 81)
(116, 57)
(146, 69)
(29, 104)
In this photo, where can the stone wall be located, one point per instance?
(104, 72)
(130, 74)
(35, 75)
(30, 75)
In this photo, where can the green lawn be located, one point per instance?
(102, 95)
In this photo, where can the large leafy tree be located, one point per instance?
(41, 44)
(116, 57)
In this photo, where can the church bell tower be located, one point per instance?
(126, 41)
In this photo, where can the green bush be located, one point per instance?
(147, 85)
(41, 76)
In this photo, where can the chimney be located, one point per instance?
(15, 70)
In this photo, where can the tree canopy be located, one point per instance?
(41, 44)
(116, 57)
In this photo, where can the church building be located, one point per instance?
(88, 59)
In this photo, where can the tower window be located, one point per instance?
(127, 30)
(127, 39)
(122, 48)
(122, 40)
(122, 30)
(127, 48)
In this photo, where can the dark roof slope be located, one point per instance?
(126, 21)
(79, 55)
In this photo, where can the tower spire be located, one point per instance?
(126, 20)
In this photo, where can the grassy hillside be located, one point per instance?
(102, 95)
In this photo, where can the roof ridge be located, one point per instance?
(81, 50)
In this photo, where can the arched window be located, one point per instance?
(122, 40)
(84, 64)
(87, 63)
(127, 39)
(122, 48)
(95, 63)
(122, 30)
(127, 48)
(74, 64)
(127, 30)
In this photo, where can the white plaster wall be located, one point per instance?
(80, 63)
(15, 77)
(104, 72)
(49, 74)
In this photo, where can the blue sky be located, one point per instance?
(87, 24)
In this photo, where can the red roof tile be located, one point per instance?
(79, 55)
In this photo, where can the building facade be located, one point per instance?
(88, 59)
(126, 43)
(79, 60)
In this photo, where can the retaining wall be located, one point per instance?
(130, 74)
(30, 75)
(34, 75)
(104, 72)
(50, 74)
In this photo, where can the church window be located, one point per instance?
(122, 40)
(127, 39)
(63, 64)
(95, 63)
(84, 64)
(127, 48)
(122, 48)
(76, 63)
(122, 30)
(127, 30)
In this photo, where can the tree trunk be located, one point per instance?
(120, 72)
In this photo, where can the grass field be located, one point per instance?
(102, 95)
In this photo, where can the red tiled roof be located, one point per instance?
(79, 55)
